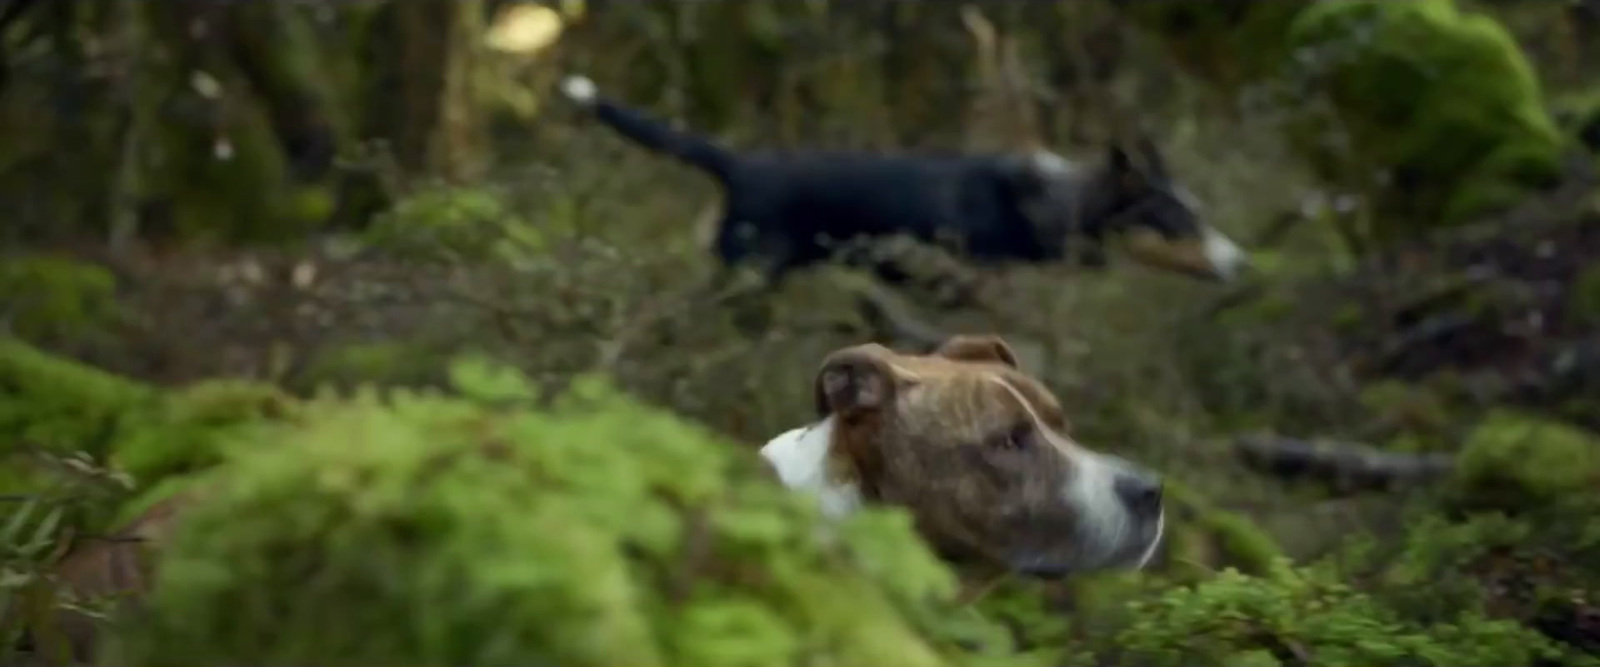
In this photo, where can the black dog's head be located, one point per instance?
(1131, 201)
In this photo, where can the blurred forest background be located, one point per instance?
(227, 224)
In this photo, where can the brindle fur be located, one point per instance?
(977, 449)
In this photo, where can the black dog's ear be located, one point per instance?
(1155, 163)
(1125, 170)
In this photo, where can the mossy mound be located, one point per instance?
(1433, 110)
(429, 530)
(1516, 462)
(1441, 101)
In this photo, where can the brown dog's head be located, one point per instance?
(977, 451)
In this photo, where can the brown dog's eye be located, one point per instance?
(1016, 439)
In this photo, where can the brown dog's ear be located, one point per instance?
(854, 381)
(990, 349)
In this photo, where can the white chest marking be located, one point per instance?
(800, 457)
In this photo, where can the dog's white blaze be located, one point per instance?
(1105, 520)
(1051, 163)
(1155, 542)
(800, 457)
(579, 89)
(1225, 256)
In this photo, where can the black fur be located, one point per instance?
(787, 210)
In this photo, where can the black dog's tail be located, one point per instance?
(652, 133)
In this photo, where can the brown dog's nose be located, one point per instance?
(1140, 492)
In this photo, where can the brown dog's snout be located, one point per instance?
(1140, 491)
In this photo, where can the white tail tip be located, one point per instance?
(578, 89)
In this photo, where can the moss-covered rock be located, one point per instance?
(444, 531)
(1441, 103)
(1432, 110)
(1518, 462)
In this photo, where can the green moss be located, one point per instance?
(1518, 462)
(440, 530)
(61, 408)
(1583, 299)
(184, 432)
(1434, 111)
(1430, 577)
(1309, 612)
(1422, 419)
(49, 297)
(387, 363)
(59, 405)
(1207, 538)
(1443, 100)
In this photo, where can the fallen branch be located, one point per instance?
(1346, 467)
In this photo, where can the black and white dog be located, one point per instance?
(786, 210)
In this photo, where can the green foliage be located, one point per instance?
(34, 529)
(463, 224)
(47, 297)
(1518, 462)
(1203, 538)
(1312, 617)
(1423, 420)
(477, 531)
(1441, 100)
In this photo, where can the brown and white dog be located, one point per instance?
(978, 452)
